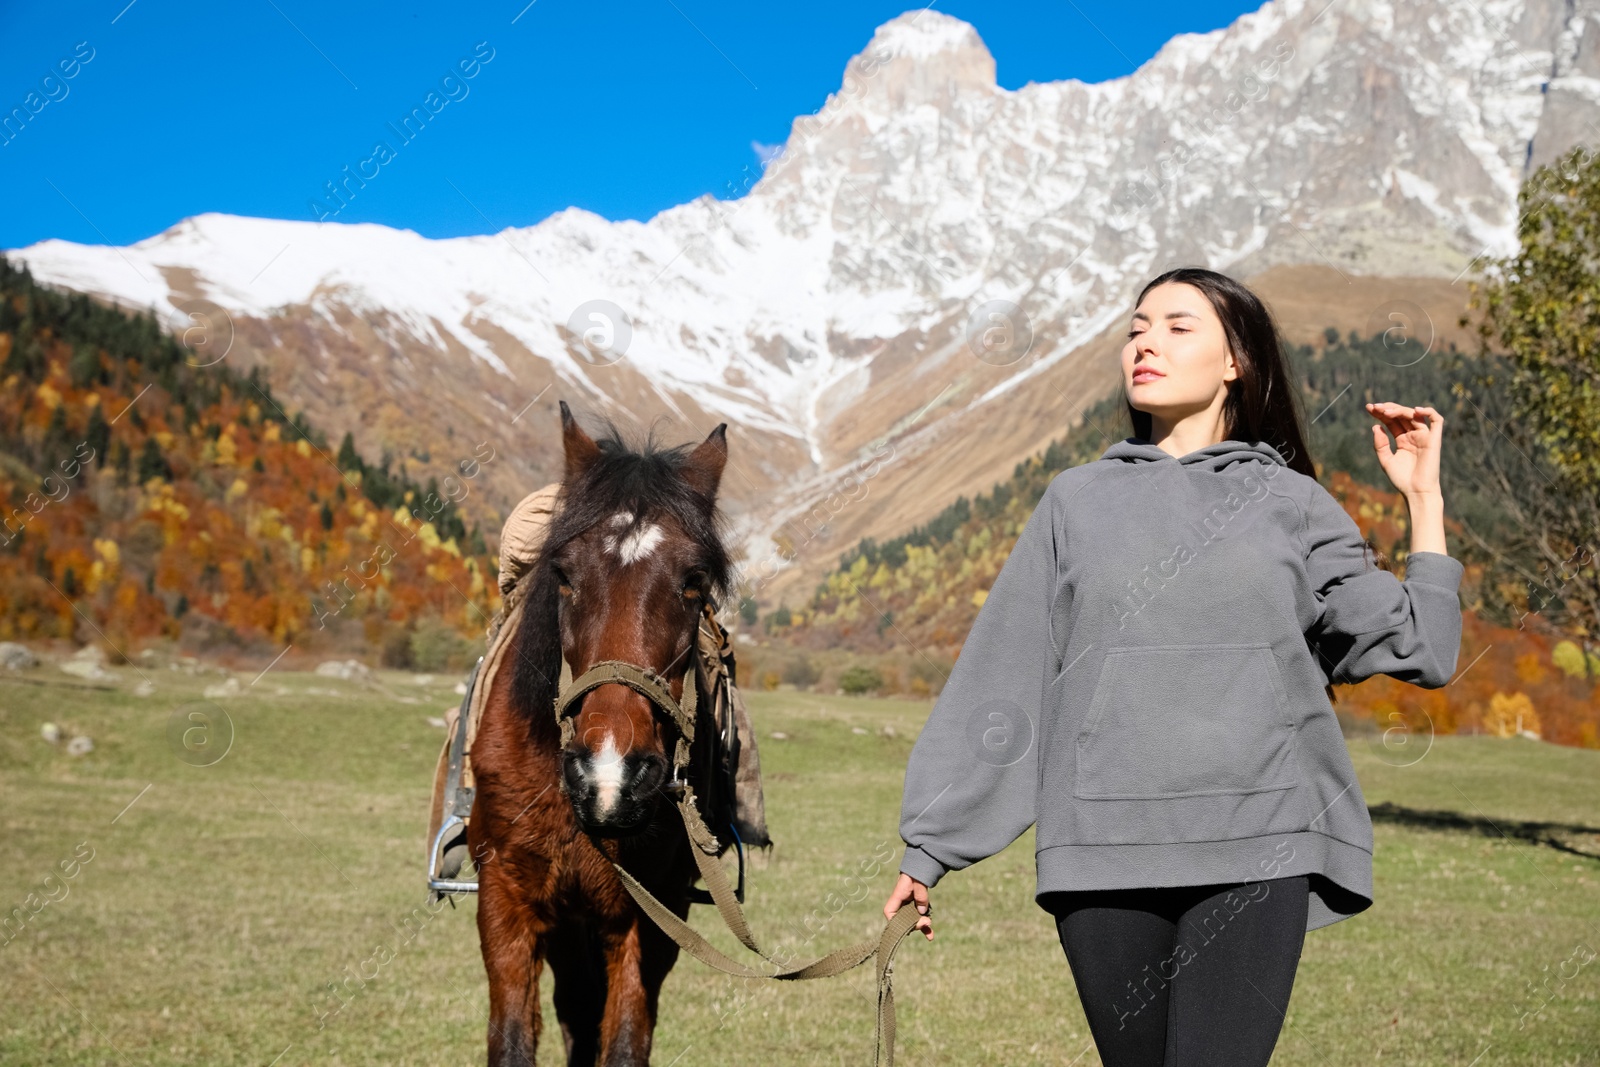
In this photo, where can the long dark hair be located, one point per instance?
(1263, 402)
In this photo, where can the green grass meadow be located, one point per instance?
(219, 903)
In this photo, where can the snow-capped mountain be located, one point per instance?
(845, 305)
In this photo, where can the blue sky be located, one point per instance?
(624, 109)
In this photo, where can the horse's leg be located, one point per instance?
(580, 989)
(657, 955)
(637, 962)
(629, 1020)
(512, 957)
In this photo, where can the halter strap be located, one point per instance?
(652, 686)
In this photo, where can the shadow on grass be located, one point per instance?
(1564, 837)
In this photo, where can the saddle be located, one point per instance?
(730, 794)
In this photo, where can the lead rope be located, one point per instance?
(834, 963)
(704, 847)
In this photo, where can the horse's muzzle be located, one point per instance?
(613, 795)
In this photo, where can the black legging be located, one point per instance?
(1192, 976)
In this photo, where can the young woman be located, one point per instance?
(1149, 682)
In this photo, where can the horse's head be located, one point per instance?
(628, 563)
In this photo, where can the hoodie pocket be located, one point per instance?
(1185, 721)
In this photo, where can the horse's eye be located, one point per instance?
(563, 584)
(694, 585)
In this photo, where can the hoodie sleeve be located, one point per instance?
(1370, 622)
(972, 776)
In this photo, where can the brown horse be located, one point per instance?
(631, 556)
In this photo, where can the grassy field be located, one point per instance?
(217, 903)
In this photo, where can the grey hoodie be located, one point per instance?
(1145, 681)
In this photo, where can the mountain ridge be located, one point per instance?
(832, 306)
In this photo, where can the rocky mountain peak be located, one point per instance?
(922, 57)
(826, 303)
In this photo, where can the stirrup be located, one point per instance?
(447, 852)
(447, 856)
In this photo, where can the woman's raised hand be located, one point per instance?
(1413, 466)
(908, 888)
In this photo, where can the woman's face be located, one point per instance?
(1176, 361)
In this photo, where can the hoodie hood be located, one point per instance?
(1215, 457)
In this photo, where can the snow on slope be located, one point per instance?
(1377, 136)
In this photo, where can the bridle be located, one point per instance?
(654, 688)
(681, 715)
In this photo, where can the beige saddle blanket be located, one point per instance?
(520, 541)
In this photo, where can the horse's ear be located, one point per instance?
(579, 446)
(703, 468)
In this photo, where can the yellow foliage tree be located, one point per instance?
(1510, 714)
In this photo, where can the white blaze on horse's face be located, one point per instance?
(606, 769)
(637, 545)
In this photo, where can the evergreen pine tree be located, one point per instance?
(98, 435)
(152, 464)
